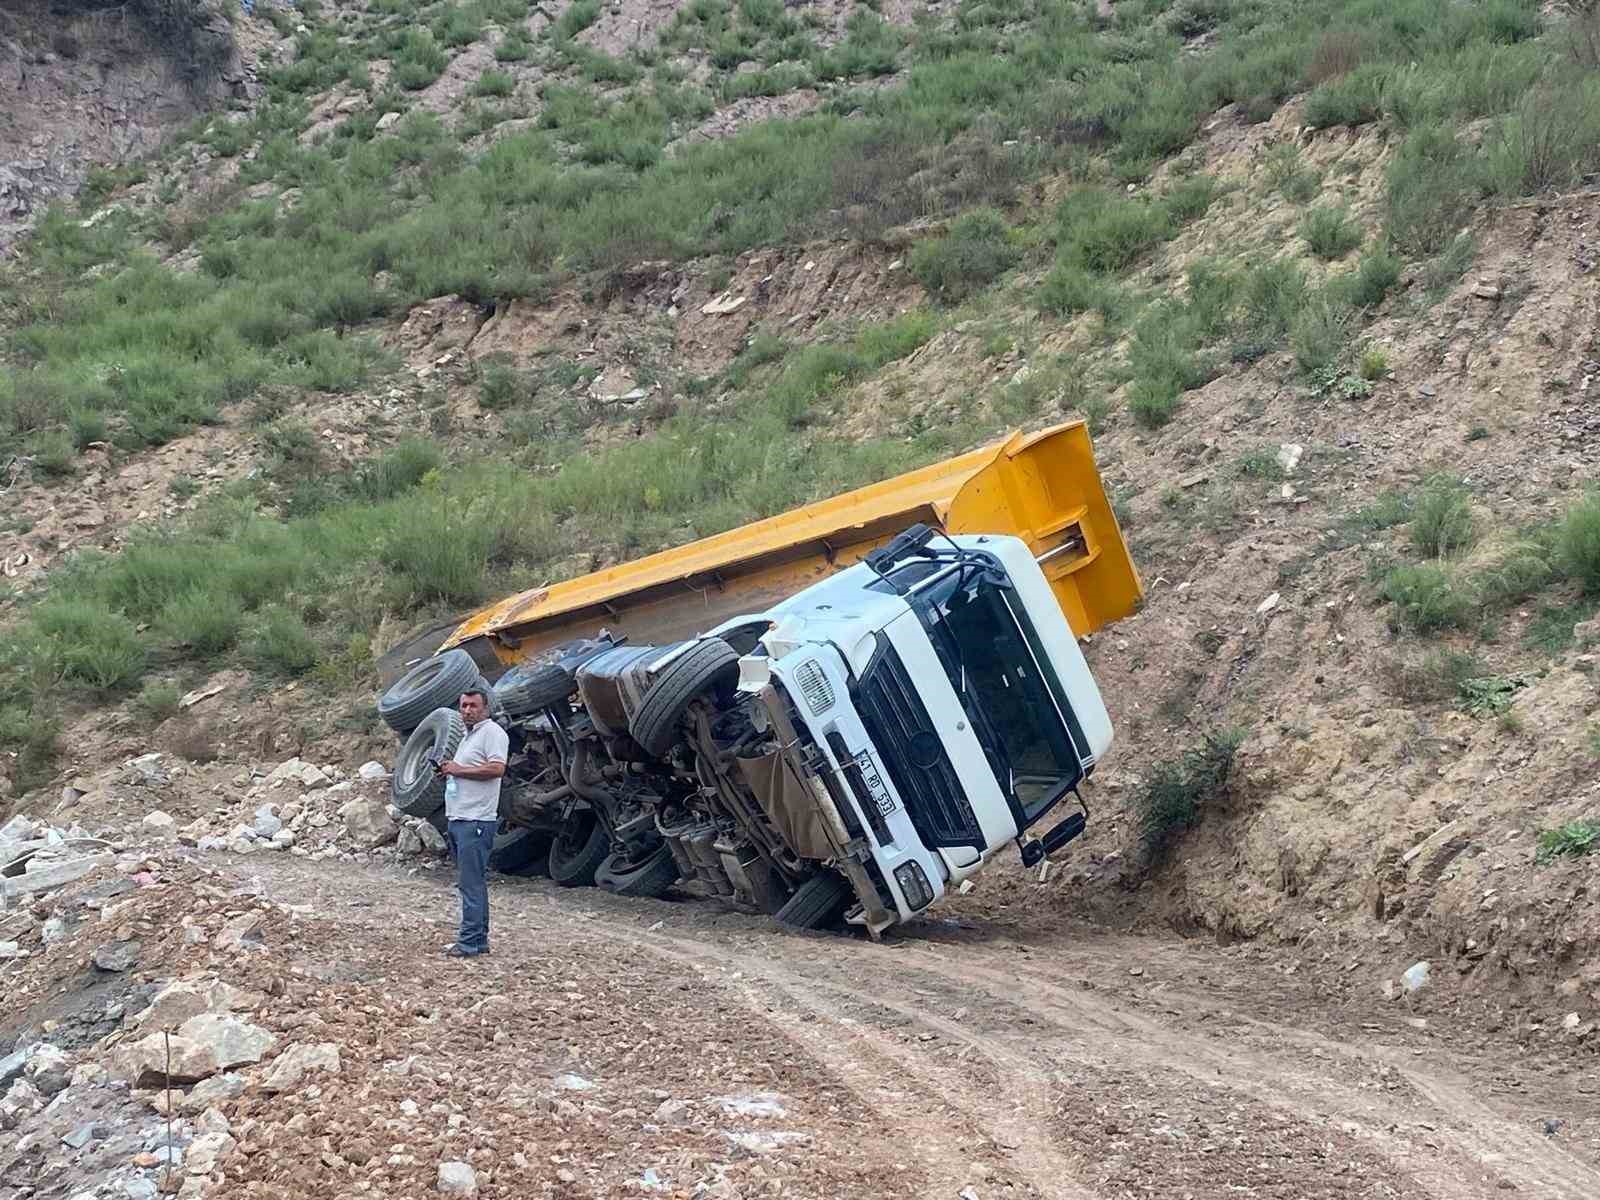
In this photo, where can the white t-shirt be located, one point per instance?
(476, 799)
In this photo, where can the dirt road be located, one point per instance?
(617, 1048)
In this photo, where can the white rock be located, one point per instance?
(1289, 456)
(312, 778)
(408, 843)
(11, 950)
(283, 839)
(457, 1179)
(299, 1060)
(267, 822)
(753, 1104)
(232, 1042)
(185, 998)
(205, 1150)
(1571, 1021)
(1415, 977)
(388, 119)
(372, 772)
(368, 823)
(569, 1082)
(159, 821)
(1267, 605)
(431, 838)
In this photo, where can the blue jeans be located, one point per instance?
(472, 841)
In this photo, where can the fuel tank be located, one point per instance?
(613, 683)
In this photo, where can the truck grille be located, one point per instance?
(893, 714)
(814, 686)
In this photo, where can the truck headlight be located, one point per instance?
(914, 884)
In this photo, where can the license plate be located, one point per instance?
(875, 786)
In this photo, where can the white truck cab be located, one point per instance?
(943, 708)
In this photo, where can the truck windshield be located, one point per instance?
(978, 633)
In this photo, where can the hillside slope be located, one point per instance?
(476, 296)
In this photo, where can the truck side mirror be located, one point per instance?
(1034, 850)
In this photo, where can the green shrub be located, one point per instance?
(205, 620)
(976, 251)
(1320, 334)
(1177, 790)
(1331, 232)
(1104, 233)
(1289, 176)
(89, 643)
(1548, 143)
(33, 734)
(1572, 840)
(436, 555)
(1354, 99)
(575, 18)
(397, 470)
(1442, 523)
(281, 643)
(1386, 511)
(1068, 290)
(494, 83)
(1578, 544)
(1367, 285)
(512, 48)
(157, 701)
(86, 426)
(1425, 597)
(1517, 573)
(1374, 363)
(1432, 187)
(52, 452)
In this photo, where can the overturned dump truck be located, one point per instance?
(839, 712)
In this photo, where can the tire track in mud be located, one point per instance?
(1443, 1103)
(1439, 1141)
(1004, 1130)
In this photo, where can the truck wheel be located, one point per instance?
(414, 789)
(436, 683)
(524, 690)
(709, 664)
(819, 901)
(520, 852)
(578, 849)
(650, 876)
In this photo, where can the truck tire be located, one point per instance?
(520, 852)
(414, 788)
(650, 877)
(524, 690)
(709, 664)
(578, 849)
(436, 683)
(818, 902)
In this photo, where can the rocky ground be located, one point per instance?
(237, 1022)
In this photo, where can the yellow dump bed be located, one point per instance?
(1042, 487)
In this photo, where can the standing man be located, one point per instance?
(472, 807)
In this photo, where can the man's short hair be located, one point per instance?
(479, 692)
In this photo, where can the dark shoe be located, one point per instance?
(459, 951)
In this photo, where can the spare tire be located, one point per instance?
(650, 876)
(524, 690)
(819, 901)
(436, 683)
(414, 787)
(709, 665)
